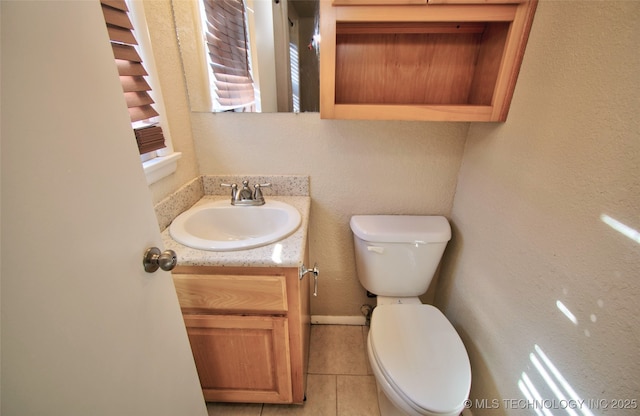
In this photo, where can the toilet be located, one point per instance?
(420, 363)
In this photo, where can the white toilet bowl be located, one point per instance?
(418, 359)
(420, 364)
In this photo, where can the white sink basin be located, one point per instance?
(220, 226)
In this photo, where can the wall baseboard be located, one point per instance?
(337, 320)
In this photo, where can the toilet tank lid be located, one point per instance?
(401, 228)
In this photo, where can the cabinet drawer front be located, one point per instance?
(231, 293)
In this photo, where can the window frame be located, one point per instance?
(160, 163)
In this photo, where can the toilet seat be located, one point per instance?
(421, 357)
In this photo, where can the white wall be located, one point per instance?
(169, 66)
(356, 167)
(527, 214)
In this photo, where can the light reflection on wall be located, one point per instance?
(545, 388)
(550, 379)
(531, 394)
(567, 312)
(295, 76)
(621, 228)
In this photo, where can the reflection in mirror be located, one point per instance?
(279, 71)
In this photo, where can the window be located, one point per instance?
(136, 69)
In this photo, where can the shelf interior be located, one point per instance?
(418, 63)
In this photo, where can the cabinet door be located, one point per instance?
(417, 2)
(476, 1)
(376, 2)
(241, 358)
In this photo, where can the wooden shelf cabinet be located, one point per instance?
(447, 60)
(249, 331)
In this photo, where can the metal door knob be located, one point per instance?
(154, 259)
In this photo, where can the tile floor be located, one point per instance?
(340, 381)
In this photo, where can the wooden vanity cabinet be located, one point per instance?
(443, 60)
(249, 331)
(417, 2)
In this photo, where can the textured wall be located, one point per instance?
(169, 66)
(527, 216)
(355, 167)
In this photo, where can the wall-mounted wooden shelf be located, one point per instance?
(421, 62)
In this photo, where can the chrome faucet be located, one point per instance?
(244, 196)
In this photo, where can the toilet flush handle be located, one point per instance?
(375, 249)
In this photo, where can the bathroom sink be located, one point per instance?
(220, 226)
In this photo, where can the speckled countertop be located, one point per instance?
(284, 253)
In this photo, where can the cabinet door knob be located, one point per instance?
(154, 259)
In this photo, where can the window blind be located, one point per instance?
(228, 47)
(132, 73)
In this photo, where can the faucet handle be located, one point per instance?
(257, 193)
(234, 189)
(233, 186)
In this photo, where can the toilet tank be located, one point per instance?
(397, 255)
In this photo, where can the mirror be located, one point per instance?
(284, 55)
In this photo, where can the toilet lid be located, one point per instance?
(421, 356)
